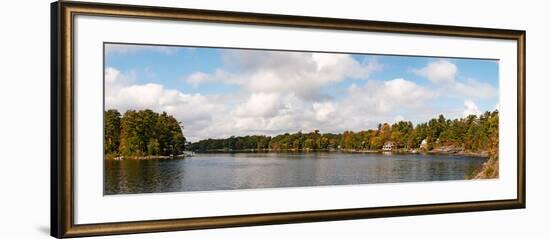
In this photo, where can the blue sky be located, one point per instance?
(222, 92)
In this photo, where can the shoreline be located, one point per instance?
(481, 154)
(149, 157)
(437, 151)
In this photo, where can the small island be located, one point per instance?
(142, 134)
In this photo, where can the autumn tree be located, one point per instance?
(143, 132)
(471, 133)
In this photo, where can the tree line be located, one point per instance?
(142, 133)
(472, 133)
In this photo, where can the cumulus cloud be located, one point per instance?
(475, 89)
(299, 73)
(470, 108)
(441, 71)
(195, 110)
(115, 81)
(384, 96)
(259, 105)
(198, 78)
(324, 111)
(443, 74)
(362, 106)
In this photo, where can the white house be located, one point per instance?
(424, 144)
(389, 146)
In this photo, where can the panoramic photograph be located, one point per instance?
(182, 119)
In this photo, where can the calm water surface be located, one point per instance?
(206, 172)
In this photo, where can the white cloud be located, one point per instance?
(111, 75)
(195, 110)
(324, 111)
(197, 78)
(114, 76)
(385, 96)
(301, 74)
(440, 71)
(475, 89)
(364, 106)
(115, 80)
(259, 105)
(444, 74)
(189, 107)
(470, 108)
(213, 116)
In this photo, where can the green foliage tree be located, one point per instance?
(112, 132)
(143, 132)
(471, 133)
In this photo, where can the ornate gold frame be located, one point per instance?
(62, 118)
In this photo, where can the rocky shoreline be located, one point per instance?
(458, 151)
(445, 150)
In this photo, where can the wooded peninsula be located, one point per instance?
(141, 133)
(146, 134)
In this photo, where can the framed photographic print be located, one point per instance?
(170, 119)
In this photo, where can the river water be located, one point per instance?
(206, 172)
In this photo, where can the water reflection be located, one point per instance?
(206, 172)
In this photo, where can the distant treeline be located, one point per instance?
(472, 133)
(142, 133)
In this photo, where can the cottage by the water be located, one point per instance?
(389, 146)
(424, 144)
